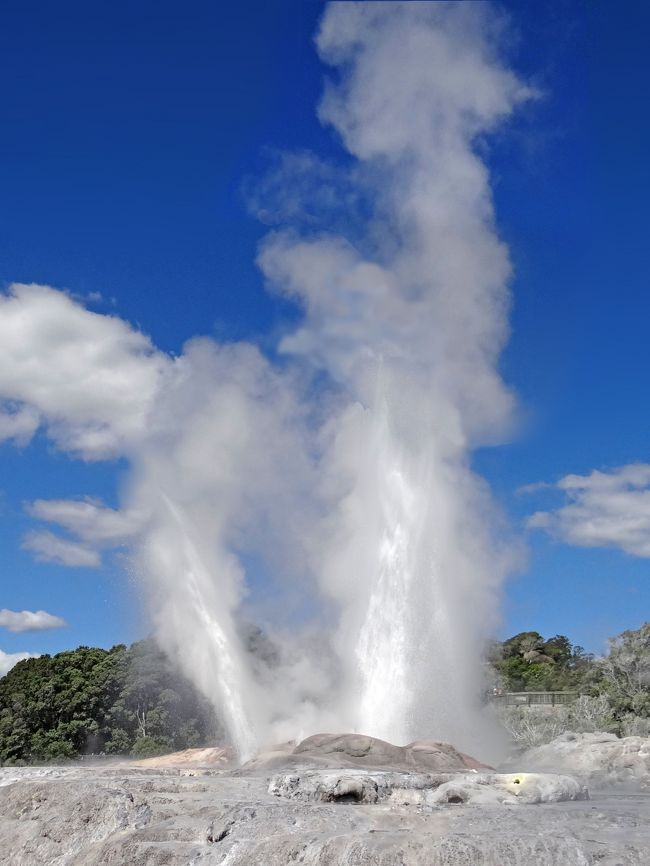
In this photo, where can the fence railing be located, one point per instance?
(528, 699)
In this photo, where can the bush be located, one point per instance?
(149, 747)
(634, 726)
(589, 714)
(533, 726)
(626, 673)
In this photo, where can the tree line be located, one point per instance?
(614, 689)
(90, 701)
(133, 701)
(527, 662)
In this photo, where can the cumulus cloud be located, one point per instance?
(92, 527)
(18, 425)
(8, 660)
(48, 547)
(88, 519)
(90, 378)
(29, 620)
(603, 509)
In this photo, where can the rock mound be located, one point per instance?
(599, 759)
(189, 758)
(358, 750)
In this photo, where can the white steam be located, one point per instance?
(328, 493)
(410, 329)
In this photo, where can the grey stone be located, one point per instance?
(358, 750)
(316, 815)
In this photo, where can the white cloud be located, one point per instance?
(90, 377)
(94, 528)
(88, 519)
(48, 547)
(604, 509)
(8, 660)
(18, 425)
(29, 620)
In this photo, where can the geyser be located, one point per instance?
(339, 470)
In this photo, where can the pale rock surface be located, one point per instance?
(426, 789)
(313, 814)
(214, 756)
(358, 750)
(597, 759)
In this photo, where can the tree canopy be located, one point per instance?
(528, 662)
(96, 701)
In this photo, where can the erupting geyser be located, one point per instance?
(340, 469)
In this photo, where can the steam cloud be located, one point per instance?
(340, 471)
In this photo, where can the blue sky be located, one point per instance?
(129, 133)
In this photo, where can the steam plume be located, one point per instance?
(340, 471)
(408, 321)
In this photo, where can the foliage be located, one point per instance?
(626, 673)
(634, 726)
(96, 701)
(532, 726)
(589, 714)
(615, 689)
(527, 662)
(149, 747)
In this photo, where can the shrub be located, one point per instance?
(149, 747)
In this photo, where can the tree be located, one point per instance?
(97, 701)
(615, 690)
(626, 673)
(559, 648)
(528, 662)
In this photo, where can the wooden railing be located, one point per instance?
(528, 699)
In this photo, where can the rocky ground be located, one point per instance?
(599, 760)
(332, 800)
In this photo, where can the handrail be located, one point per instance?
(527, 699)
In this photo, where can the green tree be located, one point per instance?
(626, 673)
(97, 701)
(528, 662)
